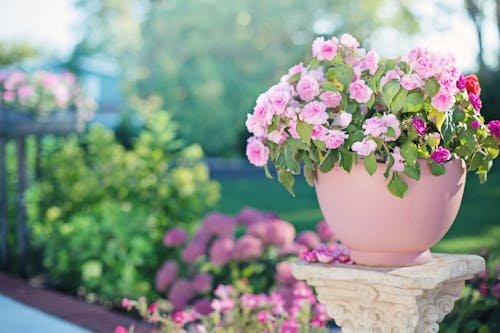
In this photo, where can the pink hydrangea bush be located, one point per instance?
(236, 311)
(348, 104)
(251, 251)
(41, 92)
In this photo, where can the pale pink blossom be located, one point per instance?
(412, 57)
(278, 135)
(443, 100)
(223, 291)
(25, 91)
(9, 96)
(222, 305)
(263, 111)
(375, 127)
(393, 74)
(428, 65)
(398, 160)
(166, 275)
(335, 139)
(342, 119)
(391, 121)
(49, 80)
(296, 69)
(324, 50)
(257, 153)
(221, 251)
(318, 74)
(365, 147)
(360, 92)
(448, 83)
(331, 98)
(314, 113)
(308, 87)
(319, 132)
(279, 233)
(292, 129)
(349, 41)
(370, 62)
(255, 126)
(411, 81)
(279, 95)
(292, 248)
(13, 80)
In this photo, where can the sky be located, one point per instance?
(52, 26)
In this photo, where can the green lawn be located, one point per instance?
(477, 224)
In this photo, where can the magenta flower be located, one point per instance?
(461, 82)
(495, 290)
(120, 329)
(264, 317)
(494, 127)
(483, 289)
(325, 232)
(419, 125)
(247, 247)
(193, 251)
(475, 101)
(221, 251)
(166, 275)
(202, 306)
(202, 282)
(127, 304)
(152, 308)
(309, 239)
(174, 237)
(475, 124)
(317, 322)
(180, 294)
(289, 326)
(309, 256)
(440, 155)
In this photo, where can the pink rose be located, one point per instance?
(419, 125)
(440, 155)
(278, 136)
(319, 133)
(448, 83)
(324, 50)
(428, 65)
(360, 92)
(364, 148)
(370, 62)
(494, 127)
(393, 74)
(335, 139)
(342, 119)
(349, 41)
(174, 237)
(257, 153)
(221, 251)
(411, 81)
(331, 98)
(166, 275)
(374, 127)
(314, 113)
(308, 87)
(254, 126)
(442, 101)
(398, 160)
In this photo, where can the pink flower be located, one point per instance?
(393, 74)
(181, 317)
(308, 88)
(447, 83)
(411, 81)
(335, 139)
(219, 224)
(461, 82)
(193, 251)
(278, 303)
(127, 304)
(202, 306)
(475, 124)
(152, 308)
(49, 80)
(319, 133)
(370, 62)
(166, 275)
(296, 69)
(249, 215)
(174, 237)
(202, 282)
(317, 322)
(440, 155)
(223, 291)
(419, 125)
(331, 99)
(278, 136)
(412, 57)
(264, 317)
(222, 305)
(279, 233)
(308, 238)
(258, 229)
(349, 41)
(263, 111)
(442, 101)
(324, 50)
(495, 290)
(325, 232)
(391, 121)
(248, 247)
(342, 119)
(475, 101)
(309, 256)
(25, 91)
(324, 255)
(428, 65)
(180, 294)
(255, 126)
(289, 326)
(120, 329)
(221, 251)
(9, 96)
(360, 92)
(314, 113)
(398, 160)
(252, 301)
(365, 147)
(279, 95)
(257, 153)
(292, 129)
(494, 127)
(284, 273)
(374, 127)
(483, 289)
(14, 79)
(320, 310)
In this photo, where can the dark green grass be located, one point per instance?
(477, 224)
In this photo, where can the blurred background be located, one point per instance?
(173, 81)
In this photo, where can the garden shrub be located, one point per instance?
(100, 210)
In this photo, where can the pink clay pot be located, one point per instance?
(384, 230)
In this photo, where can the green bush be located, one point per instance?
(100, 211)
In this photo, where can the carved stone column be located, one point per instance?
(411, 299)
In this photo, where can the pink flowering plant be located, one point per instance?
(347, 104)
(42, 92)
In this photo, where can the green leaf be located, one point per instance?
(309, 175)
(410, 152)
(346, 159)
(412, 171)
(437, 118)
(268, 174)
(437, 169)
(390, 132)
(296, 144)
(287, 179)
(344, 74)
(328, 162)
(389, 166)
(304, 130)
(390, 90)
(414, 102)
(483, 177)
(286, 160)
(320, 144)
(476, 161)
(330, 74)
(370, 163)
(330, 86)
(448, 127)
(399, 101)
(294, 78)
(432, 87)
(397, 186)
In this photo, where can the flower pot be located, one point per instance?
(384, 230)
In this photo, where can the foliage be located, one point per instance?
(163, 49)
(14, 52)
(41, 92)
(346, 104)
(99, 212)
(478, 311)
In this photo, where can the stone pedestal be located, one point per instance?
(365, 299)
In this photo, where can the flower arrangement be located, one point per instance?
(41, 92)
(347, 104)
